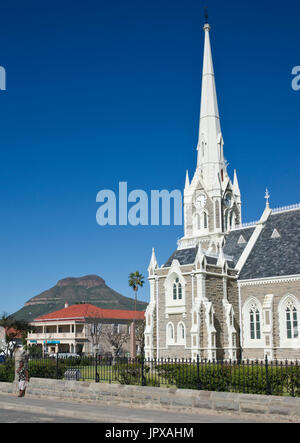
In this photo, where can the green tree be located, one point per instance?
(14, 329)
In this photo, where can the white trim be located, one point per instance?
(286, 208)
(266, 280)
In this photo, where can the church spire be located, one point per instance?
(210, 144)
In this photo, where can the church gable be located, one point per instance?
(274, 255)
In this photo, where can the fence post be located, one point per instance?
(57, 366)
(143, 374)
(96, 369)
(268, 386)
(198, 374)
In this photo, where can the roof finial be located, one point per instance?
(206, 25)
(267, 197)
(206, 14)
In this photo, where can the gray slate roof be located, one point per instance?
(232, 247)
(272, 257)
(184, 256)
(188, 256)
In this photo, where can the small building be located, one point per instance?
(83, 328)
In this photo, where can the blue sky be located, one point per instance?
(102, 92)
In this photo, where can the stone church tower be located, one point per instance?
(193, 306)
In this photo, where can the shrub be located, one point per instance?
(132, 374)
(7, 371)
(46, 368)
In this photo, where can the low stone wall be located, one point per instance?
(185, 400)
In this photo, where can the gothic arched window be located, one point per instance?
(291, 321)
(255, 324)
(177, 290)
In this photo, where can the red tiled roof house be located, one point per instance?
(82, 328)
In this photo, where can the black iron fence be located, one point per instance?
(253, 377)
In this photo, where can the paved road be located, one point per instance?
(33, 409)
(9, 416)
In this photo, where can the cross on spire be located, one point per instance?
(267, 197)
(206, 14)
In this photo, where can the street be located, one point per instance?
(43, 410)
(11, 416)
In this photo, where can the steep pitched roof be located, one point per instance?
(274, 256)
(188, 257)
(233, 246)
(82, 311)
(184, 256)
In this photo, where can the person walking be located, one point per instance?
(23, 374)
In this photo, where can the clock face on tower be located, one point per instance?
(200, 201)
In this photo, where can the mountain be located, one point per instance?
(88, 289)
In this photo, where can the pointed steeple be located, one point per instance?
(210, 143)
(153, 265)
(187, 180)
(236, 188)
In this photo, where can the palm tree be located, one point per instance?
(136, 280)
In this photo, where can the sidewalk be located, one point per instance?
(116, 414)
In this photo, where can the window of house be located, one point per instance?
(291, 322)
(255, 324)
(177, 290)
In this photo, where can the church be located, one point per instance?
(230, 290)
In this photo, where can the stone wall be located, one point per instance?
(183, 400)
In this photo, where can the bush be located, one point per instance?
(46, 368)
(7, 371)
(250, 379)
